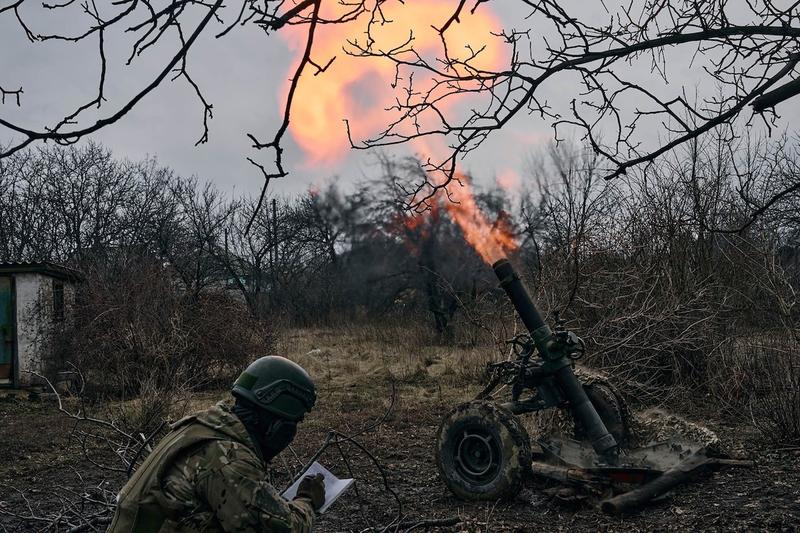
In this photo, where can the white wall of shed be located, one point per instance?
(29, 289)
(37, 333)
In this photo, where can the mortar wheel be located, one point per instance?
(482, 451)
(609, 405)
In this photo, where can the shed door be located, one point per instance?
(6, 330)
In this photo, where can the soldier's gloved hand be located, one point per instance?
(313, 488)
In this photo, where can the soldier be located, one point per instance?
(207, 473)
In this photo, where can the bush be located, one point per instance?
(758, 378)
(137, 332)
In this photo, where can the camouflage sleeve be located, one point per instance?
(234, 486)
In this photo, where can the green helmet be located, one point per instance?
(277, 385)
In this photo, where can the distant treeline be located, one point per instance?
(669, 262)
(331, 254)
(318, 256)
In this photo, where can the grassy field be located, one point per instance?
(357, 371)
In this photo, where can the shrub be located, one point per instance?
(759, 378)
(136, 331)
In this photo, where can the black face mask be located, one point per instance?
(278, 437)
(271, 434)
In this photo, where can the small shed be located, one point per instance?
(35, 304)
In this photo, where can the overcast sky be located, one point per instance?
(242, 76)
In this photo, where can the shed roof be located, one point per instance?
(48, 269)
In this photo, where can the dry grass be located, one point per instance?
(355, 364)
(354, 368)
(363, 355)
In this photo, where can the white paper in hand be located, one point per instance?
(334, 487)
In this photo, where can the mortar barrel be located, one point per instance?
(572, 389)
(516, 292)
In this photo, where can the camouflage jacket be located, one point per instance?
(205, 475)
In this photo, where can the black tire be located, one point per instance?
(609, 406)
(482, 452)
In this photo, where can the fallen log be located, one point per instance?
(692, 466)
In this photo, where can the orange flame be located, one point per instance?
(361, 89)
(492, 241)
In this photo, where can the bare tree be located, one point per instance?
(574, 214)
(79, 203)
(173, 28)
(326, 219)
(189, 241)
(27, 231)
(749, 51)
(441, 269)
(249, 256)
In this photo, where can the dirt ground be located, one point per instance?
(355, 375)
